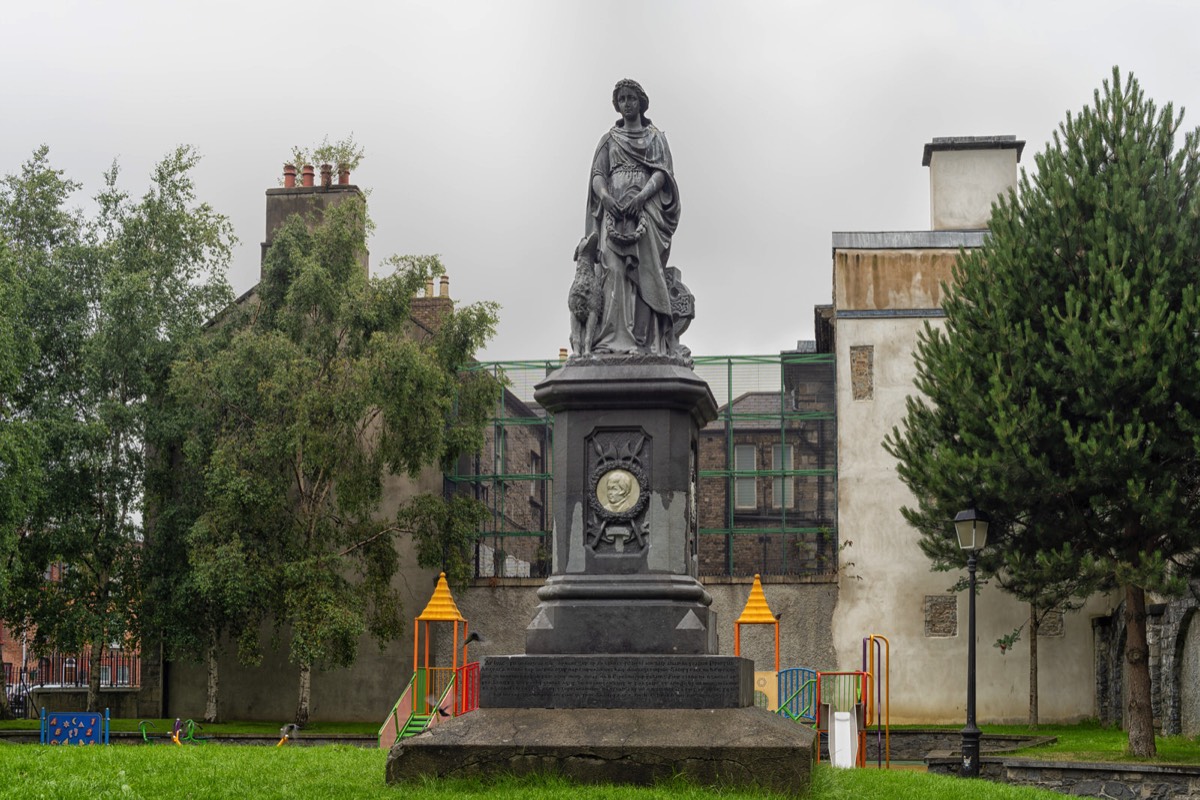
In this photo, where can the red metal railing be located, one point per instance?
(467, 688)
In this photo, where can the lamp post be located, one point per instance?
(971, 526)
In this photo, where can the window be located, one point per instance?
(535, 483)
(745, 488)
(783, 488)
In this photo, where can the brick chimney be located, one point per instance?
(307, 200)
(431, 308)
(966, 175)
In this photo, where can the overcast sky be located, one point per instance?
(787, 121)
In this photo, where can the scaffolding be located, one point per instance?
(767, 477)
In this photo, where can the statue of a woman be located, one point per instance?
(633, 210)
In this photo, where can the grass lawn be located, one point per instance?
(294, 773)
(1086, 741)
(1090, 741)
(164, 726)
(211, 770)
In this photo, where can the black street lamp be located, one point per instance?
(971, 526)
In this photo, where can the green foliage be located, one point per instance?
(108, 302)
(1064, 392)
(308, 402)
(344, 153)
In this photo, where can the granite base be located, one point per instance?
(739, 748)
(616, 681)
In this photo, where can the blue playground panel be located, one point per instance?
(74, 727)
(798, 694)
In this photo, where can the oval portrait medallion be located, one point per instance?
(618, 491)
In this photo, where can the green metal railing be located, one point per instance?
(785, 399)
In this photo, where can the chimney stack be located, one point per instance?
(966, 175)
(306, 200)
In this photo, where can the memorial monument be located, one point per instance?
(622, 680)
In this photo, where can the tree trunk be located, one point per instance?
(93, 687)
(210, 701)
(1033, 665)
(1139, 717)
(305, 694)
(5, 709)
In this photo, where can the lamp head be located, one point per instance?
(971, 526)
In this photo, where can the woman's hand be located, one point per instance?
(638, 202)
(635, 205)
(610, 203)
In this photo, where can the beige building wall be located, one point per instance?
(966, 175)
(886, 289)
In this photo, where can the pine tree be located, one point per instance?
(1064, 391)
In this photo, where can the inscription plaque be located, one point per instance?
(616, 681)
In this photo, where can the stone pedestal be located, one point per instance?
(622, 680)
(732, 747)
(625, 520)
(623, 621)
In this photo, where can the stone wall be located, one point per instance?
(1174, 643)
(120, 702)
(1124, 781)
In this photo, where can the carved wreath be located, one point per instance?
(617, 473)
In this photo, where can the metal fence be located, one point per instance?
(16, 689)
(767, 480)
(119, 669)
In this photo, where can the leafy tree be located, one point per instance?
(109, 301)
(198, 588)
(326, 387)
(1064, 392)
(20, 444)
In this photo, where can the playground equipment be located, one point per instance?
(287, 732)
(434, 693)
(851, 704)
(798, 695)
(877, 658)
(845, 706)
(757, 612)
(182, 731)
(841, 716)
(73, 727)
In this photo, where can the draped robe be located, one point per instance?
(633, 251)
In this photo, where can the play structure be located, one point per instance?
(182, 731)
(434, 692)
(846, 707)
(73, 727)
